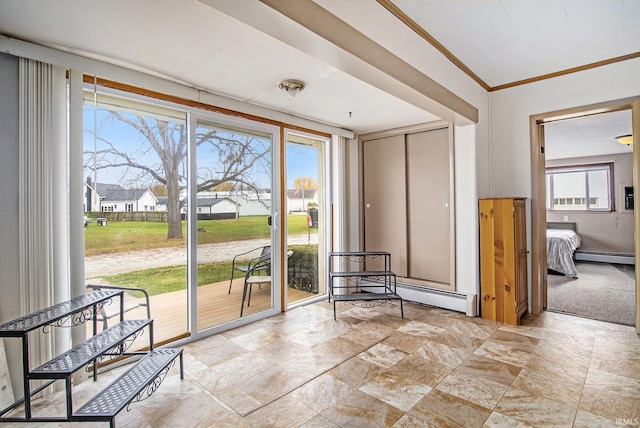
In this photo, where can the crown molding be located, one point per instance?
(404, 18)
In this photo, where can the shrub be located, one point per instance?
(303, 268)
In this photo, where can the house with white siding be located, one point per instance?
(214, 208)
(298, 199)
(103, 197)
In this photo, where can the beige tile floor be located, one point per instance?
(371, 368)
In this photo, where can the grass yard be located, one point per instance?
(170, 278)
(138, 235)
(173, 278)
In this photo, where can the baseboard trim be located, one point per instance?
(458, 302)
(623, 259)
(438, 298)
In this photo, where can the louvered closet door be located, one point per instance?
(385, 219)
(428, 206)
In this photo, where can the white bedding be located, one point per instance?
(561, 244)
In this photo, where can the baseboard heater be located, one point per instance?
(465, 303)
(618, 258)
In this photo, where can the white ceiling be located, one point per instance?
(199, 45)
(587, 136)
(504, 41)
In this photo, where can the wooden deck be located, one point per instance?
(215, 306)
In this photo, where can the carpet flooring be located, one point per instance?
(601, 292)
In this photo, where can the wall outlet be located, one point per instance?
(566, 218)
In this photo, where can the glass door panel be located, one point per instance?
(135, 162)
(305, 217)
(234, 207)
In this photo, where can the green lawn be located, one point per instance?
(173, 278)
(170, 278)
(138, 235)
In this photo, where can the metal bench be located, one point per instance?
(358, 282)
(133, 385)
(110, 342)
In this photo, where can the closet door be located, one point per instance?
(428, 206)
(385, 219)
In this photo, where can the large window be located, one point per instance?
(135, 154)
(580, 188)
(148, 165)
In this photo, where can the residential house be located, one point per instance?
(374, 82)
(215, 208)
(162, 203)
(298, 199)
(91, 196)
(115, 198)
(250, 202)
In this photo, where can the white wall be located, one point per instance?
(147, 200)
(509, 149)
(466, 210)
(224, 206)
(609, 232)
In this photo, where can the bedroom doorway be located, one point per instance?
(590, 248)
(542, 138)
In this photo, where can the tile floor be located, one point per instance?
(371, 368)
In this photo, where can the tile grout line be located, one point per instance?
(315, 377)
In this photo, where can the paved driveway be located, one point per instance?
(111, 264)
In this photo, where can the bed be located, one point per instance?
(562, 242)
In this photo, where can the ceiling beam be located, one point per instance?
(328, 26)
(308, 27)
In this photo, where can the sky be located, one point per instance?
(302, 161)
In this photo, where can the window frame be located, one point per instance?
(584, 168)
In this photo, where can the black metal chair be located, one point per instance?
(262, 261)
(251, 278)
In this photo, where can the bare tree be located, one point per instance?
(161, 158)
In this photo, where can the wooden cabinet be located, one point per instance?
(503, 259)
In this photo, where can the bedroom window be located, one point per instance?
(580, 187)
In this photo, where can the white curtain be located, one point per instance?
(43, 198)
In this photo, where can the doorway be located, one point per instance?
(539, 206)
(590, 248)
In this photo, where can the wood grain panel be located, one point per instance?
(488, 263)
(507, 283)
(503, 259)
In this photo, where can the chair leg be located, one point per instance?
(231, 281)
(244, 295)
(249, 297)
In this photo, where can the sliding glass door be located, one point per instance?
(232, 207)
(178, 205)
(305, 204)
(135, 159)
